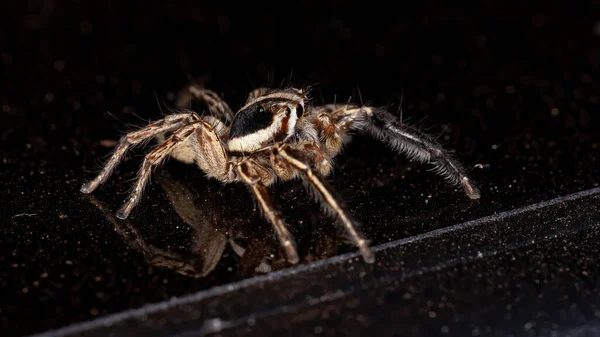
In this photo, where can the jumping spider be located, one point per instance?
(277, 134)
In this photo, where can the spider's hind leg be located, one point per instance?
(216, 105)
(416, 144)
(256, 93)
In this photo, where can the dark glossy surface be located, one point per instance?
(513, 89)
(516, 273)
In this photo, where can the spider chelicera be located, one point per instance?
(277, 134)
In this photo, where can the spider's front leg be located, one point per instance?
(202, 137)
(154, 158)
(308, 159)
(169, 123)
(403, 138)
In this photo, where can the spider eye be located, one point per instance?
(250, 120)
(299, 110)
(288, 111)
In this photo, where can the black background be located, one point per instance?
(512, 86)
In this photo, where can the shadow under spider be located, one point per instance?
(217, 225)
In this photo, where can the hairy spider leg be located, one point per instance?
(154, 158)
(132, 139)
(420, 146)
(256, 93)
(261, 194)
(325, 195)
(404, 139)
(216, 106)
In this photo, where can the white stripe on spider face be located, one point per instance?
(262, 137)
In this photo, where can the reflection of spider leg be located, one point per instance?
(217, 107)
(254, 256)
(247, 171)
(205, 218)
(400, 137)
(153, 159)
(170, 123)
(323, 192)
(155, 256)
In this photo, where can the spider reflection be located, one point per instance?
(219, 229)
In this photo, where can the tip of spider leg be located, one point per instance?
(368, 256)
(472, 191)
(293, 259)
(85, 188)
(366, 252)
(292, 255)
(122, 214)
(475, 195)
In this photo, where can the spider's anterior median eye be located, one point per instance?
(250, 120)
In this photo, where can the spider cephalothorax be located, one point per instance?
(275, 135)
(266, 119)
